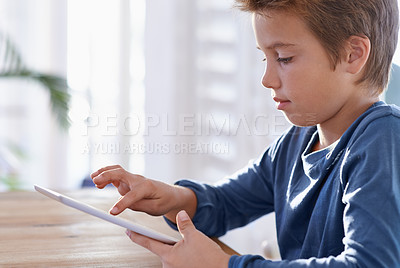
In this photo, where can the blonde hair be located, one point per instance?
(334, 21)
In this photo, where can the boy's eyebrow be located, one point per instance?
(278, 45)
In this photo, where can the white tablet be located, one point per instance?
(105, 216)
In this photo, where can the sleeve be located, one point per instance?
(234, 201)
(370, 175)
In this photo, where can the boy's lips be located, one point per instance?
(281, 103)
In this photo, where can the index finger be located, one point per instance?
(126, 201)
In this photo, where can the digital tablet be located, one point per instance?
(105, 216)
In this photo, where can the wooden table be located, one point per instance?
(36, 231)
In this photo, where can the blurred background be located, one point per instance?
(167, 89)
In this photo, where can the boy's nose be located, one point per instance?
(270, 78)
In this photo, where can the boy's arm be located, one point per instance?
(234, 202)
(240, 198)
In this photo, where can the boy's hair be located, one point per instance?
(334, 21)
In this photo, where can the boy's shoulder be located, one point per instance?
(379, 122)
(380, 112)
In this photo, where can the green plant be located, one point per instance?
(12, 66)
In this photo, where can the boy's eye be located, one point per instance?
(285, 60)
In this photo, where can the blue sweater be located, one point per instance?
(338, 207)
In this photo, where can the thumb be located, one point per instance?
(185, 224)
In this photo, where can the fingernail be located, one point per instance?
(183, 216)
(114, 210)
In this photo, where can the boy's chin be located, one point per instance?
(301, 120)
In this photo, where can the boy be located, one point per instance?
(333, 179)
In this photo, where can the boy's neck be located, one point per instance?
(331, 131)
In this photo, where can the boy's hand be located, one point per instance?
(194, 250)
(141, 194)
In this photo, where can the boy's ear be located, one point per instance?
(358, 49)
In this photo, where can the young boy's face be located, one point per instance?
(298, 71)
